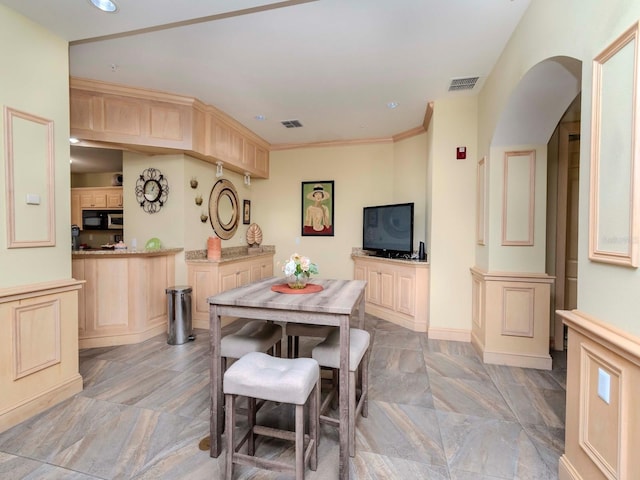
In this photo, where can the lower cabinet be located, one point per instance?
(208, 278)
(123, 300)
(397, 290)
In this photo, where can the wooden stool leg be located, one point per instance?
(279, 348)
(296, 347)
(365, 384)
(314, 425)
(289, 346)
(251, 447)
(230, 422)
(299, 442)
(352, 414)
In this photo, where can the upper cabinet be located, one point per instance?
(152, 121)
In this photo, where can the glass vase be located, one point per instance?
(297, 281)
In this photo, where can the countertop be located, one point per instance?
(107, 253)
(408, 261)
(230, 254)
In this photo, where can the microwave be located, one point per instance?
(115, 221)
(102, 220)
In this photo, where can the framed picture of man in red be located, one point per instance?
(317, 208)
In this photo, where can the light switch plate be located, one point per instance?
(33, 199)
(604, 385)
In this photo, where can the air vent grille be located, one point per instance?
(291, 123)
(463, 83)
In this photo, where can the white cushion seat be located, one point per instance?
(255, 336)
(327, 353)
(284, 380)
(296, 330)
(295, 381)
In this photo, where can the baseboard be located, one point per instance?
(41, 402)
(521, 360)
(122, 339)
(452, 334)
(566, 470)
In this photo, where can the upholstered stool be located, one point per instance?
(296, 330)
(255, 336)
(294, 381)
(327, 353)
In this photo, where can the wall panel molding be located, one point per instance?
(518, 311)
(518, 198)
(601, 438)
(30, 166)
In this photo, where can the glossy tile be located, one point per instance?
(436, 411)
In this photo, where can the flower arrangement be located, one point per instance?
(298, 269)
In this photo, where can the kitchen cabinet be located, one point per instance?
(123, 300)
(397, 290)
(158, 122)
(208, 278)
(76, 210)
(90, 198)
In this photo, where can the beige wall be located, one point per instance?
(372, 174)
(29, 56)
(453, 213)
(581, 30)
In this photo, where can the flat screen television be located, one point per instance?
(387, 230)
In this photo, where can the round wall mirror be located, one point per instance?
(224, 210)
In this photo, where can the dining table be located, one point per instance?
(329, 302)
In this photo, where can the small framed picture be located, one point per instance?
(246, 212)
(317, 208)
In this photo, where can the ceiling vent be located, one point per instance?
(291, 123)
(463, 83)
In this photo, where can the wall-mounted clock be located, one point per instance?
(152, 190)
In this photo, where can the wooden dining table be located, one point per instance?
(333, 305)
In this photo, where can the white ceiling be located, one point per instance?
(332, 64)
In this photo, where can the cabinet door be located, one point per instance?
(86, 200)
(406, 292)
(373, 286)
(261, 269)
(201, 280)
(114, 200)
(76, 211)
(387, 285)
(100, 199)
(228, 279)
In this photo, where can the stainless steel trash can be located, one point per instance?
(179, 315)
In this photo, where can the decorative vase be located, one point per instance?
(297, 281)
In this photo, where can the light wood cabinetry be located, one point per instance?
(124, 299)
(208, 278)
(397, 290)
(38, 348)
(158, 122)
(89, 198)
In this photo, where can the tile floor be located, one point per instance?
(435, 412)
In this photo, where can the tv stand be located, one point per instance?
(397, 289)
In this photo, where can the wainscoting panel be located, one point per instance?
(511, 318)
(518, 311)
(36, 335)
(602, 438)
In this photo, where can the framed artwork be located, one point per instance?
(246, 212)
(318, 199)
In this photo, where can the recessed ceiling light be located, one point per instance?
(260, 117)
(74, 140)
(392, 105)
(105, 5)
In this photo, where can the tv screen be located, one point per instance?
(388, 229)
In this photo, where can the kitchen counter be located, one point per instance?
(229, 254)
(124, 299)
(114, 253)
